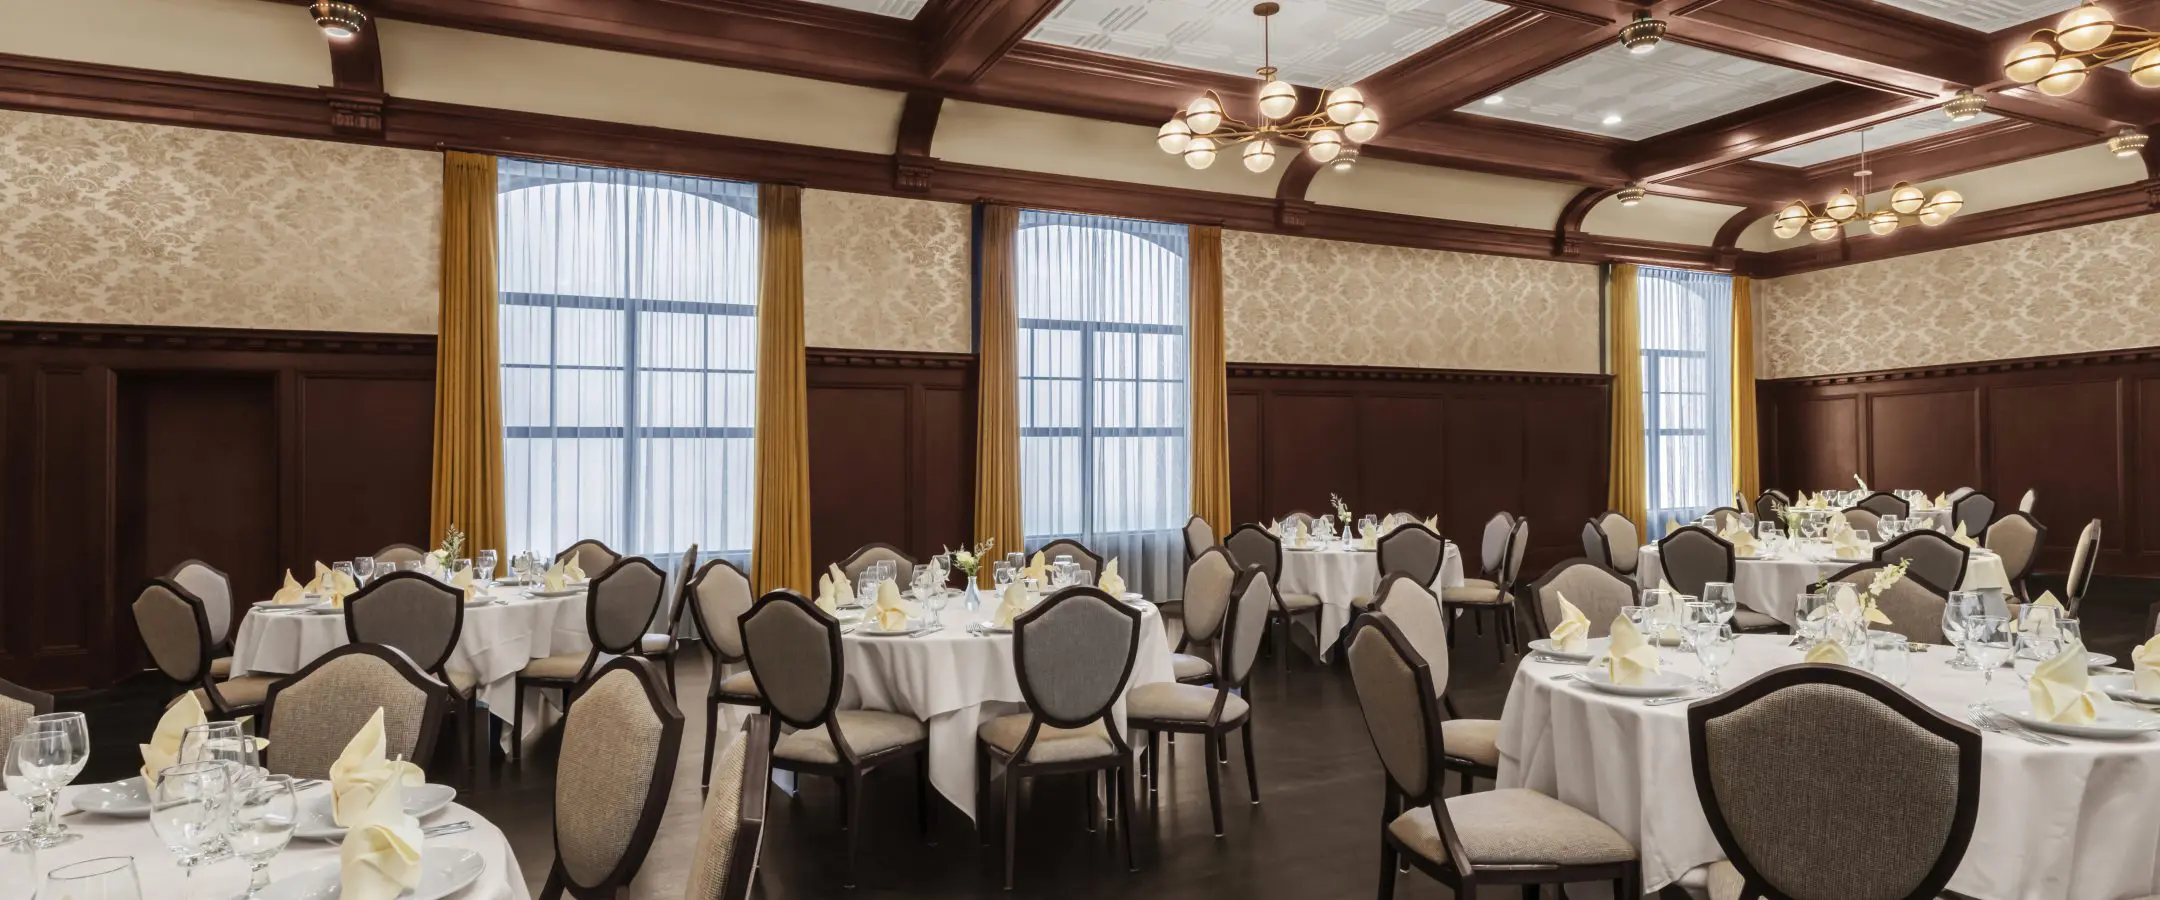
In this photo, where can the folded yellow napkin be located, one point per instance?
(2145, 660)
(1942, 501)
(2047, 601)
(893, 611)
(1845, 542)
(380, 857)
(1846, 599)
(1961, 537)
(1110, 581)
(291, 593)
(163, 751)
(1862, 482)
(1573, 632)
(1828, 652)
(1037, 569)
(1300, 536)
(1743, 543)
(2061, 691)
(462, 580)
(572, 570)
(555, 579)
(361, 772)
(1433, 522)
(1629, 660)
(1369, 542)
(825, 599)
(843, 590)
(1014, 602)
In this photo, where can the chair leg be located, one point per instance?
(1124, 801)
(1012, 821)
(1093, 800)
(712, 736)
(923, 810)
(1387, 868)
(1252, 770)
(517, 722)
(671, 675)
(851, 789)
(1214, 779)
(982, 793)
(1282, 646)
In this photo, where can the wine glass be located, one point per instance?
(922, 579)
(933, 598)
(347, 569)
(364, 569)
(2032, 651)
(485, 562)
(1961, 608)
(1806, 626)
(188, 809)
(1720, 596)
(1001, 576)
(1889, 656)
(866, 584)
(34, 765)
(521, 564)
(103, 878)
(77, 729)
(259, 825)
(1989, 641)
(1713, 648)
(222, 742)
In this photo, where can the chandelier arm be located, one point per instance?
(2108, 53)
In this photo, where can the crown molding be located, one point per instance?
(1392, 373)
(887, 359)
(173, 337)
(1983, 367)
(2092, 207)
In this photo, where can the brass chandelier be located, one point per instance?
(1330, 134)
(2058, 60)
(1908, 205)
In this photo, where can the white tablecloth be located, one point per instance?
(1337, 575)
(954, 681)
(162, 878)
(1773, 586)
(2056, 823)
(497, 640)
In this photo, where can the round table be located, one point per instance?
(498, 638)
(162, 879)
(1338, 573)
(2055, 823)
(954, 680)
(1772, 586)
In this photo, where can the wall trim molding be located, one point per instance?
(1394, 373)
(178, 337)
(2124, 201)
(887, 359)
(1983, 367)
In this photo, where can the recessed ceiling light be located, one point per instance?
(1495, 100)
(1612, 118)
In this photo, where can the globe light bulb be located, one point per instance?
(2065, 76)
(1790, 221)
(2029, 62)
(2145, 70)
(1324, 146)
(1173, 137)
(1259, 156)
(1277, 99)
(1364, 127)
(1906, 199)
(1842, 206)
(2084, 28)
(1343, 104)
(1200, 154)
(1883, 222)
(1824, 228)
(1204, 115)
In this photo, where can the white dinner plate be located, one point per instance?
(443, 871)
(1592, 650)
(1663, 684)
(317, 822)
(2098, 660)
(2123, 686)
(868, 630)
(550, 595)
(128, 798)
(988, 628)
(2114, 723)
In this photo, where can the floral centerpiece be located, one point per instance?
(1342, 512)
(969, 559)
(1862, 607)
(453, 543)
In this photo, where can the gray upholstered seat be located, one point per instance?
(732, 826)
(221, 667)
(1745, 619)
(1693, 557)
(741, 684)
(868, 731)
(1597, 591)
(1481, 594)
(1052, 744)
(1514, 826)
(619, 745)
(1212, 712)
(1300, 602)
(1186, 665)
(1935, 557)
(175, 629)
(246, 690)
(1254, 548)
(559, 666)
(1172, 702)
(620, 602)
(1724, 881)
(1477, 740)
(315, 712)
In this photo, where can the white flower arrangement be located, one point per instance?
(453, 543)
(969, 559)
(1342, 511)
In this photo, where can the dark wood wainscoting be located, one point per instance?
(2081, 430)
(892, 451)
(124, 450)
(1460, 444)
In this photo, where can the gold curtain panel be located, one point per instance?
(1209, 381)
(468, 473)
(1627, 483)
(780, 549)
(1747, 464)
(997, 396)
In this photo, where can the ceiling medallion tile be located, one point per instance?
(1636, 96)
(1919, 125)
(1318, 43)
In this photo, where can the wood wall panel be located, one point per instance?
(2077, 429)
(1247, 413)
(892, 451)
(1310, 449)
(356, 431)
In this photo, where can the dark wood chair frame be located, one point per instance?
(1994, 512)
(438, 694)
(1963, 737)
(852, 767)
(1871, 565)
(1463, 879)
(474, 730)
(674, 619)
(2075, 583)
(40, 702)
(1119, 766)
(1892, 546)
(568, 686)
(233, 606)
(750, 812)
(1504, 612)
(713, 695)
(202, 678)
(1732, 564)
(1463, 766)
(1184, 639)
(1884, 503)
(2019, 588)
(1214, 732)
(1381, 547)
(1279, 616)
(612, 885)
(571, 550)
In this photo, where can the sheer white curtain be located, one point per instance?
(1103, 398)
(1686, 329)
(629, 348)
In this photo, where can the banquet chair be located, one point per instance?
(1413, 550)
(619, 745)
(663, 645)
(422, 618)
(1914, 604)
(1207, 599)
(1073, 654)
(724, 866)
(795, 655)
(18, 704)
(2016, 539)
(718, 595)
(1252, 546)
(592, 556)
(1199, 536)
(1492, 545)
(867, 554)
(400, 554)
(1472, 746)
(1300, 517)
(1596, 590)
(214, 589)
(2082, 560)
(1934, 556)
(1724, 518)
(176, 631)
(1477, 597)
(312, 714)
(1693, 556)
(1770, 507)
(619, 603)
(2025, 503)
(1505, 836)
(1975, 511)
(1862, 519)
(1884, 503)
(1892, 787)
(1087, 559)
(1212, 712)
(1610, 539)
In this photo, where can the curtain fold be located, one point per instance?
(1747, 459)
(468, 467)
(780, 554)
(997, 383)
(1210, 382)
(1626, 482)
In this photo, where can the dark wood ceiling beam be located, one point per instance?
(1500, 147)
(1480, 60)
(962, 39)
(356, 93)
(1941, 156)
(1567, 232)
(1788, 121)
(913, 166)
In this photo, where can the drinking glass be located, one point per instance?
(1017, 560)
(347, 569)
(866, 585)
(1720, 596)
(1766, 533)
(1961, 608)
(104, 878)
(521, 563)
(1032, 585)
(1087, 577)
(2036, 619)
(1634, 615)
(922, 579)
(933, 599)
(2070, 630)
(1713, 648)
(364, 568)
(1889, 527)
(259, 825)
(222, 742)
(2032, 651)
(1861, 535)
(1001, 576)
(410, 565)
(1889, 657)
(77, 729)
(34, 765)
(188, 811)
(486, 566)
(1989, 641)
(1806, 627)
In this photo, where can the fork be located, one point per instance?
(1984, 723)
(2006, 722)
(1668, 701)
(1548, 658)
(1566, 676)
(926, 632)
(446, 828)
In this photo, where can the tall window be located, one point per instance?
(1103, 397)
(1686, 329)
(629, 346)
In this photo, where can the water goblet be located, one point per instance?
(347, 569)
(1635, 616)
(1001, 576)
(411, 565)
(1087, 577)
(1989, 641)
(1721, 597)
(103, 878)
(222, 742)
(1807, 625)
(35, 762)
(484, 565)
(1017, 560)
(923, 577)
(364, 568)
(1889, 656)
(258, 826)
(866, 585)
(1713, 648)
(1961, 607)
(2031, 651)
(1031, 585)
(933, 598)
(188, 808)
(77, 728)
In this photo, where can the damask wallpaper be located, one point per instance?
(1300, 300)
(121, 223)
(885, 273)
(2068, 291)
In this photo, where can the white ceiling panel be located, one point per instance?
(1889, 134)
(1320, 43)
(1617, 93)
(899, 9)
(1985, 15)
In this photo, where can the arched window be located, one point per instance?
(629, 343)
(1104, 399)
(1686, 328)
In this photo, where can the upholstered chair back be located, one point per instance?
(1414, 550)
(1416, 612)
(1597, 591)
(1934, 556)
(1693, 557)
(418, 615)
(312, 715)
(1207, 593)
(623, 601)
(1074, 653)
(719, 595)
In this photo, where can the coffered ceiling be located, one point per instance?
(1635, 96)
(1319, 43)
(898, 9)
(1985, 15)
(1925, 124)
